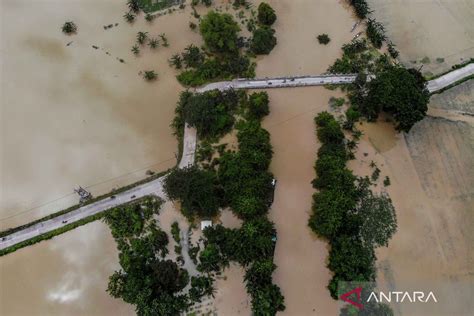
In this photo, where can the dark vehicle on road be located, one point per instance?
(132, 197)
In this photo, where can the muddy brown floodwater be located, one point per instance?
(301, 258)
(432, 33)
(75, 115)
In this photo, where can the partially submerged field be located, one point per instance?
(432, 33)
(432, 189)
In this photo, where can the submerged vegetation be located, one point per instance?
(324, 39)
(69, 28)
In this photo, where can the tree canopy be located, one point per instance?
(266, 15)
(263, 40)
(195, 189)
(399, 92)
(219, 31)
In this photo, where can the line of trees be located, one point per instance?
(345, 211)
(239, 180)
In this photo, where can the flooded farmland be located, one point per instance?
(432, 34)
(74, 114)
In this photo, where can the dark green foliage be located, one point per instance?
(201, 286)
(142, 37)
(379, 219)
(345, 211)
(150, 75)
(219, 31)
(361, 8)
(210, 112)
(129, 17)
(133, 6)
(176, 61)
(324, 39)
(243, 175)
(266, 15)
(352, 116)
(350, 260)
(207, 3)
(210, 259)
(220, 67)
(192, 56)
(386, 181)
(400, 92)
(258, 105)
(195, 189)
(263, 40)
(69, 28)
(145, 280)
(375, 33)
(392, 50)
(175, 232)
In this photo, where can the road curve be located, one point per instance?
(155, 187)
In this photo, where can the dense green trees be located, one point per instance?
(210, 112)
(400, 92)
(195, 189)
(145, 279)
(263, 40)
(345, 211)
(258, 105)
(219, 31)
(266, 15)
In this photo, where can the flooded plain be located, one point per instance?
(434, 34)
(73, 114)
(86, 118)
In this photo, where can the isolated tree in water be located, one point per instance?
(69, 28)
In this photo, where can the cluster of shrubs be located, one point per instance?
(345, 211)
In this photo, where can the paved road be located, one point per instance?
(450, 78)
(280, 82)
(333, 79)
(189, 146)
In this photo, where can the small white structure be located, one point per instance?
(205, 224)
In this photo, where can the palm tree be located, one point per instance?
(135, 50)
(133, 6)
(149, 17)
(153, 43)
(164, 39)
(69, 28)
(141, 37)
(129, 17)
(150, 75)
(176, 61)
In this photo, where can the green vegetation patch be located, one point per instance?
(345, 211)
(155, 5)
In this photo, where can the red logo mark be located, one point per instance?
(357, 291)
